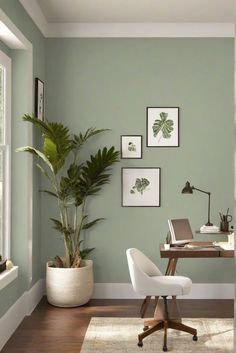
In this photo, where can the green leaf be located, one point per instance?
(163, 125)
(49, 192)
(57, 143)
(74, 171)
(50, 151)
(49, 177)
(80, 139)
(37, 153)
(93, 174)
(84, 253)
(90, 224)
(57, 225)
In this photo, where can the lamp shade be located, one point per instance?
(188, 189)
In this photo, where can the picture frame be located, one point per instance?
(39, 99)
(162, 126)
(141, 187)
(131, 146)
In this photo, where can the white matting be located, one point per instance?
(119, 335)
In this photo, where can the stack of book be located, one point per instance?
(209, 229)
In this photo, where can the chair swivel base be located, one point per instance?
(165, 324)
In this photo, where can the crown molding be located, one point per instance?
(125, 30)
(139, 30)
(35, 12)
(11, 35)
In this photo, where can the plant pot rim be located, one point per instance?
(86, 263)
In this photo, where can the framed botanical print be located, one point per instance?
(39, 99)
(141, 187)
(131, 146)
(162, 127)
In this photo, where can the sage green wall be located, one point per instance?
(108, 83)
(19, 232)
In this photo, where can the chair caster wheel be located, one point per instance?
(164, 349)
(145, 328)
(195, 338)
(140, 344)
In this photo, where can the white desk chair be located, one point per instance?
(148, 280)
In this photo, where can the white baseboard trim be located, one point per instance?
(34, 295)
(22, 307)
(28, 301)
(199, 291)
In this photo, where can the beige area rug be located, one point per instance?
(119, 335)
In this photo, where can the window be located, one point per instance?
(5, 140)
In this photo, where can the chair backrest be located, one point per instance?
(140, 268)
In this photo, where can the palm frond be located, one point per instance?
(49, 193)
(92, 223)
(84, 253)
(37, 153)
(80, 139)
(57, 143)
(93, 174)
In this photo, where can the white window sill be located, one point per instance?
(8, 276)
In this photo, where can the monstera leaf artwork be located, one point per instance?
(140, 186)
(163, 126)
(131, 147)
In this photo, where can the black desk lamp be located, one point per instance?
(188, 189)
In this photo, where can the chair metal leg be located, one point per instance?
(166, 314)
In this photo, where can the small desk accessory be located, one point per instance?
(188, 189)
(225, 219)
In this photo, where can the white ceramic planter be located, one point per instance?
(69, 287)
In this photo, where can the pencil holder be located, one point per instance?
(224, 226)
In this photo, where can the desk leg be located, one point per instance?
(174, 310)
(144, 306)
(170, 271)
(171, 267)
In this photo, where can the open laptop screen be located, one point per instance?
(180, 231)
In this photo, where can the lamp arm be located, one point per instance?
(209, 204)
(204, 192)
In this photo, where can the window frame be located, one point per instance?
(5, 61)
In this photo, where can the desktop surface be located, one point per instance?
(197, 249)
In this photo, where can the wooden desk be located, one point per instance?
(206, 250)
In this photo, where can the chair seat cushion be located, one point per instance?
(169, 285)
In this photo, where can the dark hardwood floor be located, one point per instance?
(56, 330)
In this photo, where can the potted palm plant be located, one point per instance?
(69, 279)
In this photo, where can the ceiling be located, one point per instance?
(132, 18)
(133, 11)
